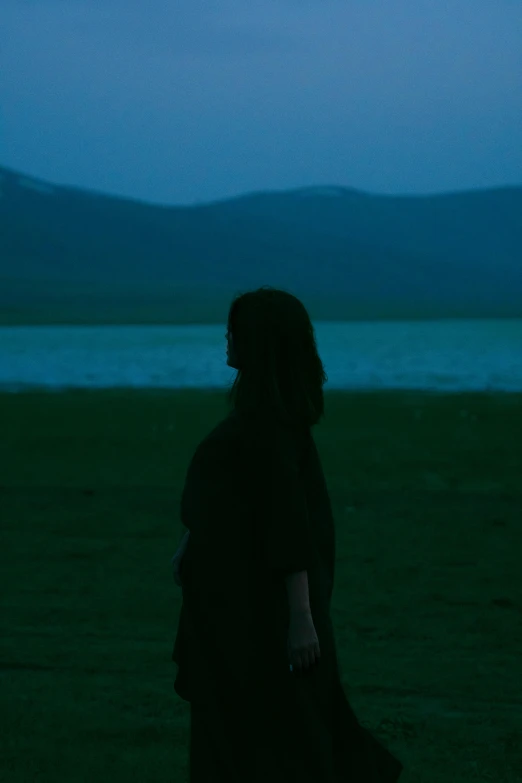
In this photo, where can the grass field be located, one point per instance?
(427, 606)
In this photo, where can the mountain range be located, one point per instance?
(74, 256)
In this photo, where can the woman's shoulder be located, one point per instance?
(228, 433)
(272, 439)
(258, 431)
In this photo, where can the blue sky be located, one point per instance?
(186, 101)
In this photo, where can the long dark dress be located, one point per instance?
(256, 504)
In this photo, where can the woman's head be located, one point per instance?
(271, 343)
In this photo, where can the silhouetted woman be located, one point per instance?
(255, 646)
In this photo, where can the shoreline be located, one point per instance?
(163, 391)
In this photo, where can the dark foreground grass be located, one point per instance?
(427, 606)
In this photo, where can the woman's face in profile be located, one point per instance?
(231, 356)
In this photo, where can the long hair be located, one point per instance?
(280, 374)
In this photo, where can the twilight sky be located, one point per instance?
(178, 101)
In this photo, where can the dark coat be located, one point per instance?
(256, 504)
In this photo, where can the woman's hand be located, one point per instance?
(176, 567)
(303, 644)
(178, 557)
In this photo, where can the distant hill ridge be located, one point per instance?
(69, 255)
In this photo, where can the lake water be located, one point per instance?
(429, 355)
